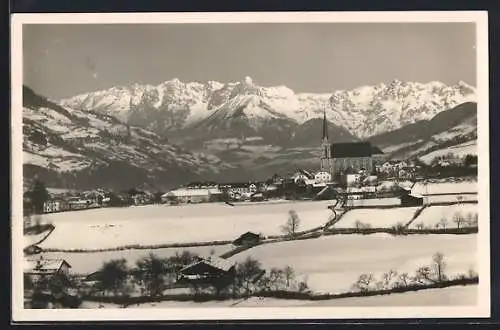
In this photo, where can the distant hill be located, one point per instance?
(448, 128)
(70, 148)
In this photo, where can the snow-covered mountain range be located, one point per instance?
(74, 148)
(164, 135)
(174, 106)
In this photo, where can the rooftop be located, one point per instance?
(212, 261)
(352, 149)
(43, 266)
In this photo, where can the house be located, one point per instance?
(247, 239)
(387, 167)
(38, 269)
(322, 177)
(51, 206)
(187, 195)
(79, 204)
(444, 163)
(207, 270)
(408, 199)
(240, 190)
(257, 197)
(303, 176)
(401, 165)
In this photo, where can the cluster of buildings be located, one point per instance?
(71, 202)
(353, 165)
(238, 191)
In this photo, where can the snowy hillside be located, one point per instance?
(446, 130)
(70, 147)
(363, 112)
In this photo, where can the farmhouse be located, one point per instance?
(241, 190)
(186, 195)
(257, 197)
(411, 200)
(38, 269)
(207, 270)
(322, 177)
(51, 206)
(247, 238)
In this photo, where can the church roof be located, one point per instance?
(352, 149)
(376, 151)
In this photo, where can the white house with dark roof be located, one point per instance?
(206, 269)
(39, 268)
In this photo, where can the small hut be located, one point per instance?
(247, 238)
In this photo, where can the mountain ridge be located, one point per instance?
(70, 148)
(174, 106)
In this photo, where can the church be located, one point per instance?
(347, 157)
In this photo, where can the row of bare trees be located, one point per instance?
(425, 275)
(458, 219)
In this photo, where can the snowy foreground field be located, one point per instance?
(333, 263)
(452, 296)
(450, 187)
(162, 224)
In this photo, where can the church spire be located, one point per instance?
(325, 126)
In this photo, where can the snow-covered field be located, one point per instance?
(451, 296)
(449, 198)
(445, 187)
(433, 215)
(162, 224)
(374, 202)
(334, 263)
(88, 262)
(376, 218)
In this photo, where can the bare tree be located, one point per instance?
(420, 226)
(404, 280)
(388, 278)
(472, 273)
(151, 274)
(358, 225)
(423, 275)
(439, 266)
(292, 225)
(364, 282)
(246, 273)
(443, 222)
(398, 227)
(474, 220)
(458, 219)
(289, 276)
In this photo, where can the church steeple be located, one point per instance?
(325, 127)
(325, 146)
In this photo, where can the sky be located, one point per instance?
(61, 61)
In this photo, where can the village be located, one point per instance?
(385, 180)
(357, 190)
